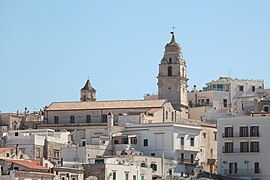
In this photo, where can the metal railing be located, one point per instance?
(242, 171)
(240, 135)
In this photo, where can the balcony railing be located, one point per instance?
(240, 135)
(238, 150)
(188, 161)
(188, 148)
(242, 171)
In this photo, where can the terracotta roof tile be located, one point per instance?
(120, 104)
(31, 164)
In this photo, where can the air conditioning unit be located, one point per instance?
(246, 162)
(225, 162)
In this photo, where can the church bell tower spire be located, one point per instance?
(172, 77)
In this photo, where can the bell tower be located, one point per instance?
(88, 93)
(172, 77)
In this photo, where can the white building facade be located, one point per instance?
(243, 147)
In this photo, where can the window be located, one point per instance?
(145, 142)
(16, 168)
(88, 118)
(256, 167)
(215, 136)
(172, 116)
(182, 157)
(16, 134)
(166, 115)
(56, 119)
(182, 141)
(244, 147)
(134, 177)
(228, 131)
(244, 131)
(38, 153)
(241, 88)
(170, 71)
(254, 131)
(266, 108)
(7, 155)
(191, 141)
(153, 154)
(225, 103)
(83, 143)
(126, 175)
(143, 164)
(191, 158)
(233, 168)
(207, 102)
(72, 119)
(56, 154)
(170, 60)
(253, 88)
(104, 118)
(254, 146)
(133, 140)
(228, 147)
(114, 175)
(154, 167)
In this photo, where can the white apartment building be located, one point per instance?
(39, 143)
(244, 147)
(223, 97)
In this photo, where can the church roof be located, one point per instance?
(88, 86)
(118, 104)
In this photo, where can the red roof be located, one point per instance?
(31, 164)
(5, 149)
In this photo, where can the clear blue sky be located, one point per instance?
(49, 48)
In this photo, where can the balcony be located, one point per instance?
(242, 172)
(187, 148)
(188, 161)
(121, 147)
(237, 135)
(238, 150)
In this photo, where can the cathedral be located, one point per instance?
(172, 79)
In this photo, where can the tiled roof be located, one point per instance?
(120, 104)
(5, 149)
(31, 164)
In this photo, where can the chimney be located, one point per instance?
(194, 87)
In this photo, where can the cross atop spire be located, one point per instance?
(173, 38)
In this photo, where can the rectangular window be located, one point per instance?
(254, 146)
(243, 131)
(225, 103)
(114, 175)
(253, 88)
(182, 141)
(104, 118)
(56, 119)
(126, 175)
(191, 158)
(72, 119)
(266, 108)
(182, 157)
(228, 147)
(154, 167)
(228, 131)
(88, 118)
(56, 154)
(254, 131)
(256, 167)
(145, 142)
(134, 177)
(16, 134)
(133, 140)
(191, 141)
(241, 88)
(244, 147)
(215, 136)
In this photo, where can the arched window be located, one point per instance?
(170, 71)
(172, 116)
(170, 60)
(166, 115)
(183, 72)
